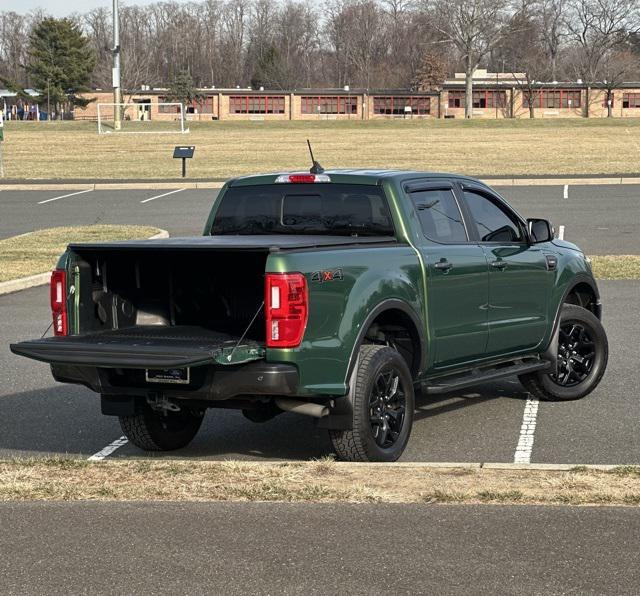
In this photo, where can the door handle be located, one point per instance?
(443, 266)
(499, 264)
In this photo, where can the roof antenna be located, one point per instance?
(316, 168)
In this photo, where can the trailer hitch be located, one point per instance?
(159, 403)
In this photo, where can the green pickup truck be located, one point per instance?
(334, 295)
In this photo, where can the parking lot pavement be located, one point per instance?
(278, 548)
(40, 417)
(182, 213)
(600, 219)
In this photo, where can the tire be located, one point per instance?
(575, 378)
(382, 414)
(156, 431)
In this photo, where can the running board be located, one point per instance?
(483, 375)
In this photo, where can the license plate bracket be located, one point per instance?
(179, 376)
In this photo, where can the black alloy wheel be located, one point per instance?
(576, 353)
(387, 407)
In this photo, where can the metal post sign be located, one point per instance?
(1, 125)
(184, 153)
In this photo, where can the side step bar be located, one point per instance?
(482, 375)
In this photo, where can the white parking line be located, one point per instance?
(527, 432)
(109, 449)
(560, 232)
(565, 194)
(163, 195)
(65, 196)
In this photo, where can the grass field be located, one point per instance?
(320, 481)
(38, 252)
(481, 147)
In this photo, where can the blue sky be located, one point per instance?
(61, 8)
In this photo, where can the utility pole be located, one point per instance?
(117, 93)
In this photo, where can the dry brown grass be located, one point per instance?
(38, 252)
(324, 481)
(498, 147)
(616, 266)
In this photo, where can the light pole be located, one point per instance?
(117, 94)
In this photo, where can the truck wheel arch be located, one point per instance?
(391, 313)
(581, 291)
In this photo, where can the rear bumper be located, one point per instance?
(210, 383)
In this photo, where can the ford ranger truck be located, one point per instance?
(333, 295)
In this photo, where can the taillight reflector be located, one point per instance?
(302, 178)
(58, 291)
(287, 309)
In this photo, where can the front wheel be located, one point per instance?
(582, 357)
(154, 430)
(383, 404)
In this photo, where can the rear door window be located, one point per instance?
(439, 215)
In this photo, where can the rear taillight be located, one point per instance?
(287, 309)
(59, 301)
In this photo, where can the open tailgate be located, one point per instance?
(143, 347)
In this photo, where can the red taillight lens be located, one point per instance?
(59, 301)
(287, 309)
(302, 178)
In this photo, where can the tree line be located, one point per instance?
(289, 44)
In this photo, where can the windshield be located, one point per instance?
(336, 209)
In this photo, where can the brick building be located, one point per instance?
(495, 95)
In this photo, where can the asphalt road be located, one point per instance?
(40, 417)
(218, 548)
(601, 219)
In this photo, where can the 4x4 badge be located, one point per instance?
(323, 276)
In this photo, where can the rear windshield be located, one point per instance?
(336, 209)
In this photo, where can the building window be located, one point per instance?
(332, 104)
(631, 100)
(558, 98)
(481, 99)
(256, 104)
(393, 105)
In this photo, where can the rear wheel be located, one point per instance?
(154, 430)
(383, 404)
(582, 357)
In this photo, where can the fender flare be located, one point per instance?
(341, 412)
(550, 352)
(385, 305)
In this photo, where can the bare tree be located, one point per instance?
(474, 27)
(616, 66)
(523, 46)
(598, 27)
(552, 15)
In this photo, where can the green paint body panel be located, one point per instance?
(472, 315)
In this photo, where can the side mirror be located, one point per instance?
(540, 230)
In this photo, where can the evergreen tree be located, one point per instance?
(60, 62)
(182, 89)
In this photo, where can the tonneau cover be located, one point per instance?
(224, 242)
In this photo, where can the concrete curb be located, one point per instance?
(23, 283)
(41, 279)
(506, 181)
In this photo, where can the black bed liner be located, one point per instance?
(141, 347)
